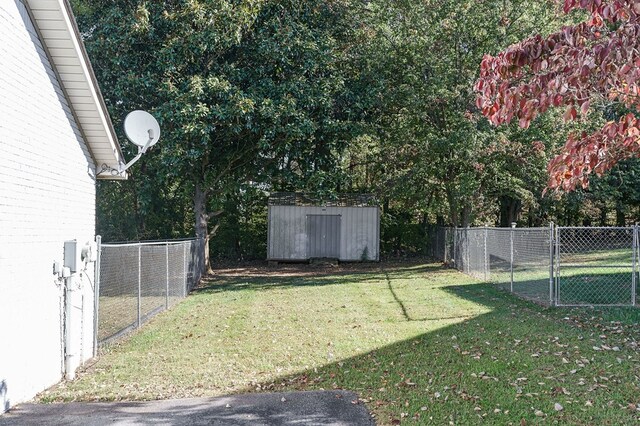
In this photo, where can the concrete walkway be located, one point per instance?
(291, 408)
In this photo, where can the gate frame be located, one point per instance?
(558, 266)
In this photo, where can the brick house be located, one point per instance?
(54, 133)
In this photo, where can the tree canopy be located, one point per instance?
(249, 93)
(398, 99)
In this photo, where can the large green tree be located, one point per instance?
(418, 62)
(248, 93)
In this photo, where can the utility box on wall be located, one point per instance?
(301, 228)
(72, 255)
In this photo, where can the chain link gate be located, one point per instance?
(561, 266)
(595, 266)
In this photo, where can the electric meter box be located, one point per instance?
(72, 256)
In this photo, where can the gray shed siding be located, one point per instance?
(288, 237)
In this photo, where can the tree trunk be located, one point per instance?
(621, 220)
(509, 210)
(453, 209)
(466, 216)
(514, 212)
(603, 215)
(202, 225)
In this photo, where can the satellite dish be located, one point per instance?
(142, 129)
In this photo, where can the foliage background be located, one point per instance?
(329, 96)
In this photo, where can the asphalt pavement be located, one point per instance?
(335, 408)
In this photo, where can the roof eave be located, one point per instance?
(94, 121)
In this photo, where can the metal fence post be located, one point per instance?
(96, 294)
(486, 255)
(466, 244)
(184, 269)
(551, 298)
(634, 265)
(556, 266)
(449, 256)
(139, 284)
(513, 225)
(166, 302)
(449, 246)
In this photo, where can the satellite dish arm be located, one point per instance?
(142, 130)
(141, 150)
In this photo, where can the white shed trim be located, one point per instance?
(61, 39)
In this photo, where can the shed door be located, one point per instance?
(324, 236)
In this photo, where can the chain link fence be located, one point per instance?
(562, 266)
(596, 266)
(139, 280)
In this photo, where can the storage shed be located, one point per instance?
(302, 228)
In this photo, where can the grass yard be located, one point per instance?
(420, 344)
(601, 277)
(120, 313)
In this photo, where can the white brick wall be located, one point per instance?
(47, 196)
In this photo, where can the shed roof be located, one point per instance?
(61, 39)
(340, 200)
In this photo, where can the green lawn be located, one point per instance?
(418, 343)
(586, 278)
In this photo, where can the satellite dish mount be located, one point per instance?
(142, 130)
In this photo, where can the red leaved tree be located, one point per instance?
(594, 63)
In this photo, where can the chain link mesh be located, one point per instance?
(118, 304)
(499, 256)
(573, 266)
(595, 266)
(440, 245)
(532, 264)
(137, 281)
(153, 280)
(176, 263)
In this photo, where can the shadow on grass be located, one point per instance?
(498, 367)
(576, 286)
(596, 287)
(403, 306)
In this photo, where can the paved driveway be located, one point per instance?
(291, 408)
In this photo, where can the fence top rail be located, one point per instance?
(150, 243)
(544, 228)
(627, 228)
(495, 228)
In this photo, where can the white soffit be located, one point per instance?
(61, 39)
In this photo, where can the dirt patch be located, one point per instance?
(263, 269)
